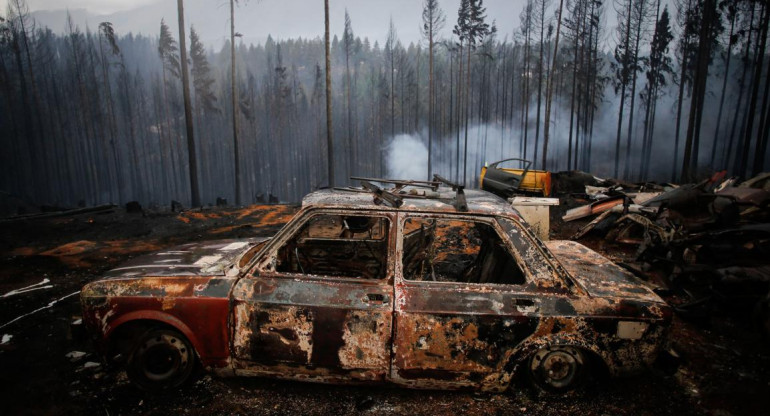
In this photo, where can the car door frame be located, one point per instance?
(454, 334)
(336, 329)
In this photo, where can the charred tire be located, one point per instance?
(162, 359)
(557, 369)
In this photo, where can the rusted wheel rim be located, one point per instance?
(163, 356)
(557, 367)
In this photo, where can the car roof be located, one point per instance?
(478, 202)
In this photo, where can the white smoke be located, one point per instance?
(407, 157)
(407, 154)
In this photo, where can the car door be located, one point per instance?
(463, 301)
(318, 304)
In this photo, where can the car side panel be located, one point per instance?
(196, 306)
(312, 329)
(438, 343)
(450, 337)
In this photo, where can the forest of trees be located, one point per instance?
(671, 92)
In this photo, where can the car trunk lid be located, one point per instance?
(598, 275)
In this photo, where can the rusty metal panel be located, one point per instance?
(450, 336)
(312, 324)
(325, 328)
(597, 274)
(545, 271)
(197, 306)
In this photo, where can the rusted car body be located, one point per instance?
(353, 291)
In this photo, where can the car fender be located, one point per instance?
(158, 316)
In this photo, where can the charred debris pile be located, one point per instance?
(709, 241)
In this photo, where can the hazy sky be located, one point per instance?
(256, 19)
(95, 6)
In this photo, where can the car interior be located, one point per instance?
(446, 250)
(337, 245)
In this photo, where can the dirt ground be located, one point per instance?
(48, 367)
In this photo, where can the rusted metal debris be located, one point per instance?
(460, 203)
(393, 200)
(761, 181)
(594, 208)
(711, 240)
(422, 295)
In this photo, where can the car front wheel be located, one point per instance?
(162, 359)
(557, 369)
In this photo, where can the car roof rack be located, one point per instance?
(460, 203)
(400, 183)
(395, 197)
(382, 195)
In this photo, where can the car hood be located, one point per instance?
(598, 275)
(208, 258)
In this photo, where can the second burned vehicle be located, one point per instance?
(419, 285)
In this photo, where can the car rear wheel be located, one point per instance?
(557, 369)
(162, 359)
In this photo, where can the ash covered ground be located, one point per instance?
(48, 367)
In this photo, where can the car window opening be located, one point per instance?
(462, 251)
(249, 255)
(338, 246)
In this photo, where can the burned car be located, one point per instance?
(418, 285)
